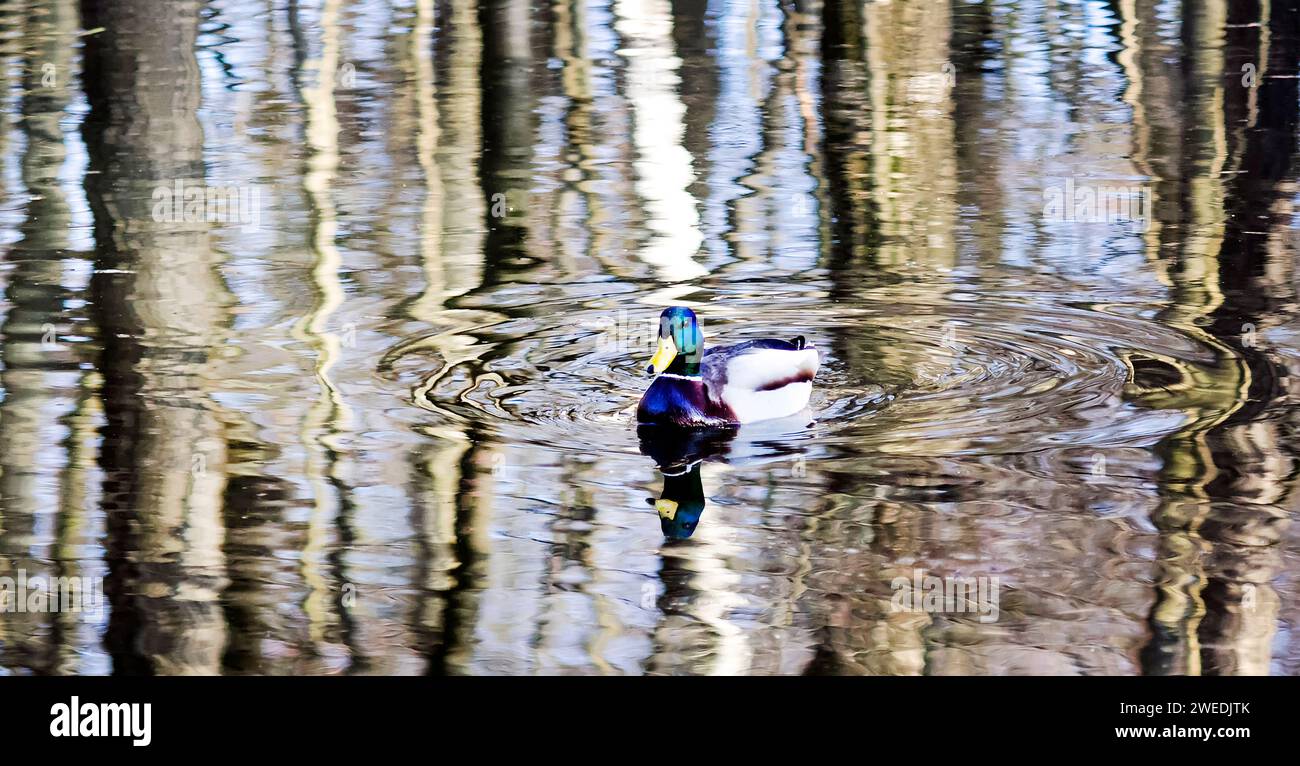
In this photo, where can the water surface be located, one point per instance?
(382, 420)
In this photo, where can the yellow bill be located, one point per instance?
(666, 508)
(663, 357)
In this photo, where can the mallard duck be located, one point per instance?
(729, 385)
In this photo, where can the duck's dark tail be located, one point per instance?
(798, 342)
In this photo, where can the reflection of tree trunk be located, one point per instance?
(978, 111)
(663, 170)
(417, 58)
(507, 132)
(70, 635)
(1247, 521)
(854, 226)
(1215, 611)
(251, 603)
(450, 649)
(159, 304)
(35, 295)
(890, 165)
(457, 62)
(694, 38)
(912, 166)
(1206, 392)
(329, 415)
(253, 502)
(844, 104)
(436, 480)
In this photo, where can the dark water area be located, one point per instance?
(323, 326)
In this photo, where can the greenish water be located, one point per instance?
(366, 404)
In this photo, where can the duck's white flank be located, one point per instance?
(749, 374)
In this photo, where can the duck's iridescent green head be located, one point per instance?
(681, 343)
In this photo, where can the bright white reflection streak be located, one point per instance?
(663, 166)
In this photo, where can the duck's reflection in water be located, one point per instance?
(681, 503)
(679, 453)
(703, 603)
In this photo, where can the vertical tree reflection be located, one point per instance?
(1223, 481)
(160, 307)
(29, 349)
(1249, 509)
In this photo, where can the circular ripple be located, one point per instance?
(946, 376)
